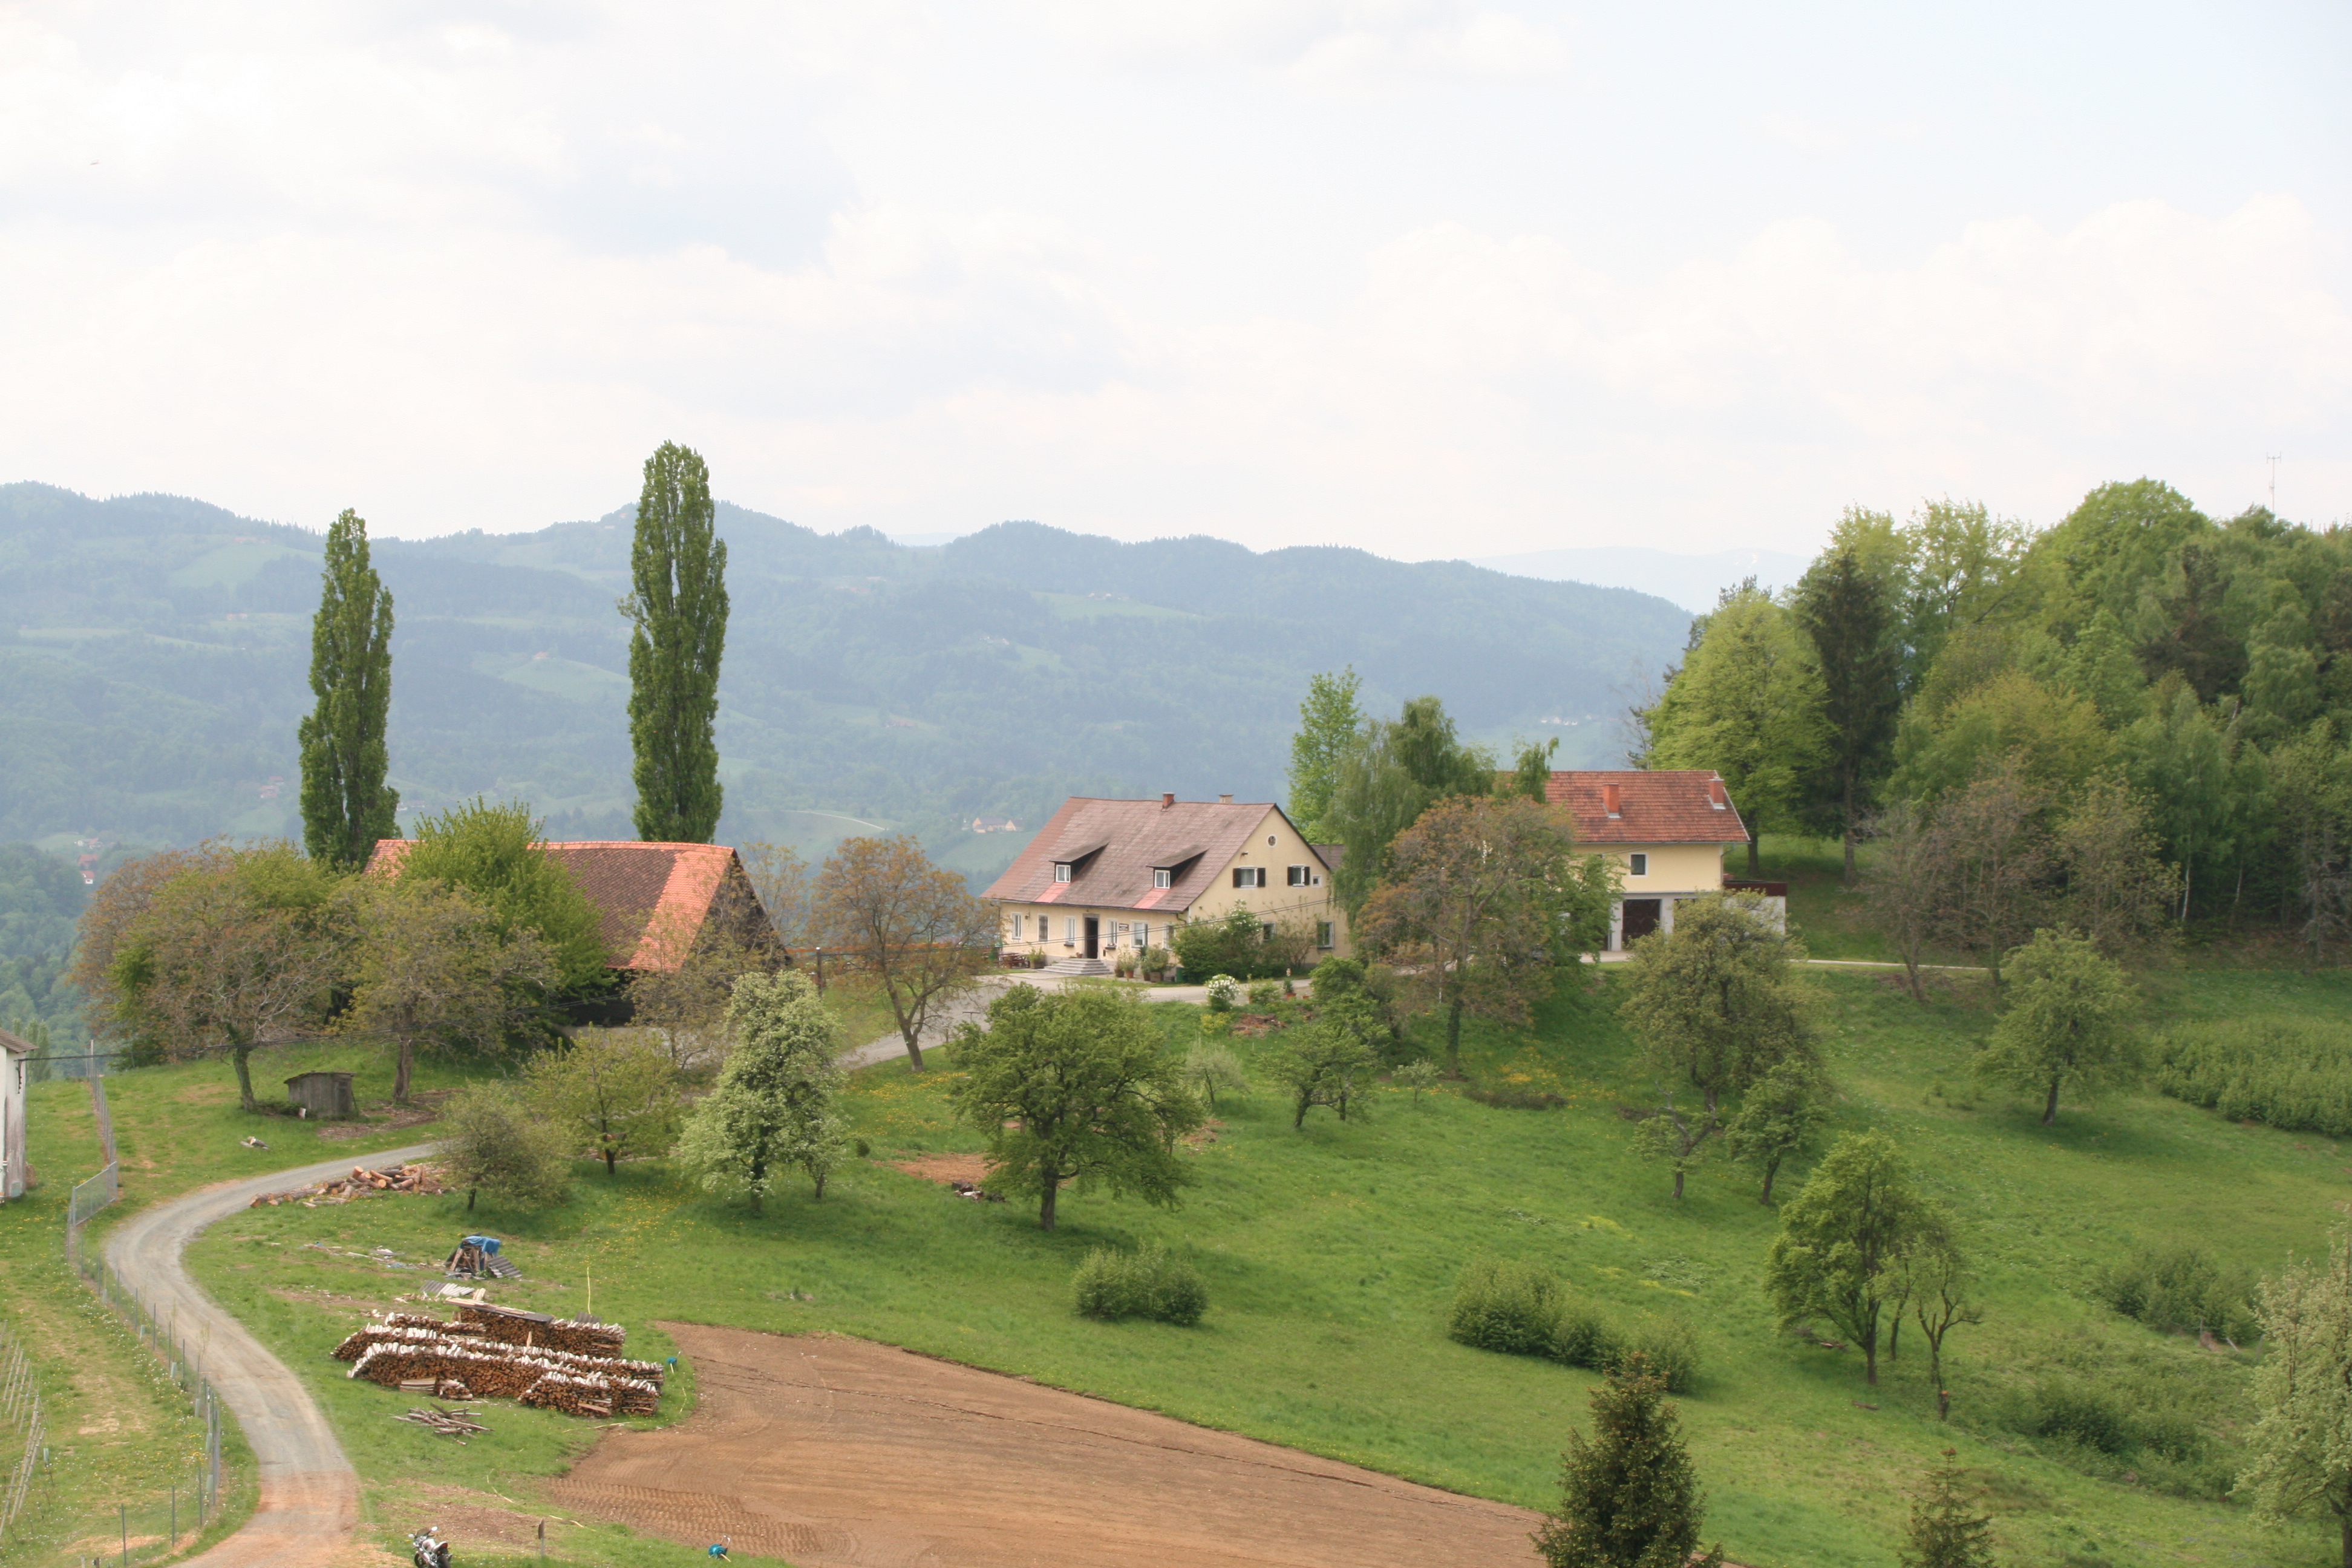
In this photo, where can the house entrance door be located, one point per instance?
(1640, 919)
(1094, 936)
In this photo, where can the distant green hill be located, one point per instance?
(153, 655)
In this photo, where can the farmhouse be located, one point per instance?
(14, 1170)
(1666, 829)
(657, 902)
(1107, 877)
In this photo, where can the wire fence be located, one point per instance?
(89, 1063)
(90, 1196)
(20, 1414)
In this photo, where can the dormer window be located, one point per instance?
(1162, 877)
(1061, 870)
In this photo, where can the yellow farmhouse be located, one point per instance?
(1110, 878)
(1666, 829)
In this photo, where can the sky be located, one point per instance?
(1435, 279)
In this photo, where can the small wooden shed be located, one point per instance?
(325, 1095)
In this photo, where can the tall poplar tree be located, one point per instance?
(346, 805)
(678, 607)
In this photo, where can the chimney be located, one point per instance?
(1225, 800)
(1611, 801)
(1715, 796)
(1167, 798)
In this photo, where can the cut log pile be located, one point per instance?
(448, 1422)
(513, 1326)
(421, 1353)
(409, 1178)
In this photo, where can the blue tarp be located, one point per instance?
(488, 1244)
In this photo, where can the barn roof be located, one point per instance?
(652, 899)
(1654, 805)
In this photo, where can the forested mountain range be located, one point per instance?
(153, 655)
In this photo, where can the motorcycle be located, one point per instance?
(427, 1550)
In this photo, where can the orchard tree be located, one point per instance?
(916, 928)
(498, 856)
(613, 1093)
(2067, 1023)
(678, 617)
(234, 951)
(1668, 1135)
(1715, 1002)
(1330, 723)
(1322, 1064)
(492, 1142)
(432, 975)
(124, 894)
(1481, 899)
(1781, 1114)
(1843, 608)
(2120, 892)
(2300, 1448)
(1904, 887)
(1841, 1242)
(1747, 703)
(346, 803)
(1936, 1279)
(1073, 1088)
(772, 1110)
(1629, 1496)
(1991, 861)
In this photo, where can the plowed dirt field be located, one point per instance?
(834, 1451)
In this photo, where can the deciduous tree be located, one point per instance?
(2067, 1022)
(2301, 1448)
(1936, 1279)
(1783, 1112)
(346, 803)
(616, 1094)
(2118, 890)
(913, 927)
(1991, 862)
(233, 952)
(1629, 1496)
(1484, 897)
(1397, 770)
(1322, 1064)
(1073, 1090)
(498, 855)
(1842, 1240)
(677, 615)
(1669, 1135)
(1330, 724)
(98, 935)
(431, 972)
(1904, 886)
(492, 1142)
(1715, 1002)
(774, 1110)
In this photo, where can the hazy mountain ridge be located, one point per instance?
(154, 658)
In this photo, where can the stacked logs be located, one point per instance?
(412, 1351)
(513, 1326)
(408, 1178)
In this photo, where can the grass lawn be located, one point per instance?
(1331, 1255)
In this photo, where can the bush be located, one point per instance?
(1222, 989)
(2290, 1073)
(2182, 1290)
(1519, 1308)
(1110, 1284)
(1512, 1099)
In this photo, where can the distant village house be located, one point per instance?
(1666, 829)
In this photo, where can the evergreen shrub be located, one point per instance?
(1148, 1283)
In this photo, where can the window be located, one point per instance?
(1323, 933)
(1265, 931)
(1018, 922)
(1302, 876)
(1069, 928)
(1142, 935)
(1061, 870)
(1638, 864)
(1249, 876)
(1161, 876)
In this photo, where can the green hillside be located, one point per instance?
(153, 655)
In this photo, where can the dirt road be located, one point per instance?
(833, 1452)
(310, 1495)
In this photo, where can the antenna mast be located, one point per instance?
(2273, 460)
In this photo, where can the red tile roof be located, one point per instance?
(1661, 805)
(654, 898)
(1128, 840)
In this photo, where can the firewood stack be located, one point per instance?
(409, 1178)
(410, 1351)
(513, 1326)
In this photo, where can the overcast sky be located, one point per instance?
(1434, 278)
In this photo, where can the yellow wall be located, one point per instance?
(1673, 868)
(1277, 901)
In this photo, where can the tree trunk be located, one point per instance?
(1046, 1202)
(759, 1180)
(609, 1151)
(1678, 1184)
(242, 1056)
(1299, 1121)
(1894, 1336)
(2050, 1110)
(1936, 1376)
(1754, 864)
(471, 1194)
(819, 1178)
(1849, 828)
(402, 1060)
(1771, 1169)
(1870, 1358)
(1454, 1038)
(914, 1051)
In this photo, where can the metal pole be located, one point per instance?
(124, 1513)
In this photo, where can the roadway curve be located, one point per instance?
(310, 1493)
